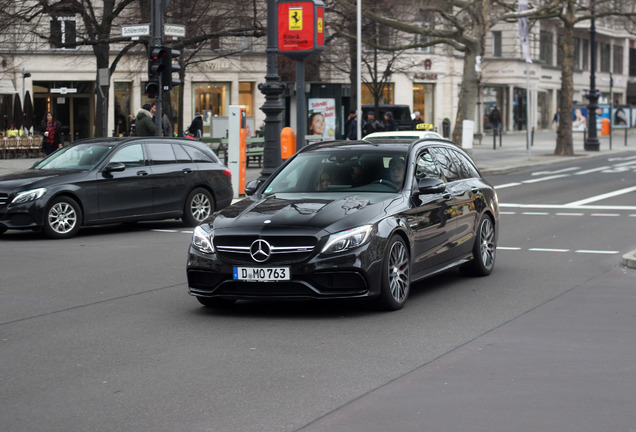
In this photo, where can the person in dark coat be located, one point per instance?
(144, 126)
(52, 131)
(371, 125)
(196, 127)
(389, 122)
(495, 118)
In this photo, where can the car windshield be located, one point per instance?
(341, 170)
(76, 157)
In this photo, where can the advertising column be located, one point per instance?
(237, 148)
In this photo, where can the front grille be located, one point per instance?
(284, 250)
(4, 199)
(338, 282)
(265, 289)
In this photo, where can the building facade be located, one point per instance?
(65, 81)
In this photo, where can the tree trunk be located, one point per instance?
(468, 92)
(102, 58)
(564, 142)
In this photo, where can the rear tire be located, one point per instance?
(396, 278)
(198, 206)
(484, 250)
(62, 219)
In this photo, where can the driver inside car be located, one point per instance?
(396, 171)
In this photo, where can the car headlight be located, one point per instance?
(202, 240)
(30, 195)
(348, 239)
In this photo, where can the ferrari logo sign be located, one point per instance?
(300, 27)
(295, 18)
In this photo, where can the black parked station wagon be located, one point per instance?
(111, 180)
(349, 219)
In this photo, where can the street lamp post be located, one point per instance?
(592, 143)
(272, 88)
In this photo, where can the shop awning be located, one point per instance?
(6, 86)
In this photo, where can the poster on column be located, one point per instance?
(321, 118)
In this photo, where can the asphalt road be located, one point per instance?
(98, 332)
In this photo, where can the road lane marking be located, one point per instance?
(548, 250)
(555, 172)
(592, 170)
(570, 214)
(605, 214)
(507, 185)
(571, 206)
(536, 213)
(602, 196)
(546, 178)
(585, 251)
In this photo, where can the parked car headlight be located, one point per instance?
(202, 240)
(348, 239)
(30, 195)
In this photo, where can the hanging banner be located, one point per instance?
(523, 31)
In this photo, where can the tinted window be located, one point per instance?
(466, 168)
(426, 167)
(131, 156)
(161, 154)
(181, 154)
(445, 161)
(198, 155)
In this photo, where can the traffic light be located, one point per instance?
(169, 68)
(156, 66)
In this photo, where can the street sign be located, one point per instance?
(135, 31)
(64, 90)
(174, 30)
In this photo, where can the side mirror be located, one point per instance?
(252, 187)
(430, 186)
(114, 166)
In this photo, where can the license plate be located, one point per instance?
(261, 273)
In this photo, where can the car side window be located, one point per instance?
(425, 167)
(131, 156)
(160, 154)
(198, 155)
(181, 154)
(445, 161)
(466, 168)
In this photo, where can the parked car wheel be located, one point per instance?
(63, 218)
(483, 251)
(396, 280)
(199, 205)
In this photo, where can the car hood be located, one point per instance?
(331, 212)
(33, 178)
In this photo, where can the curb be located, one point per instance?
(629, 259)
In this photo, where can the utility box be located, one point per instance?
(237, 148)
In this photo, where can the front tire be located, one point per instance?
(396, 278)
(198, 206)
(484, 250)
(63, 218)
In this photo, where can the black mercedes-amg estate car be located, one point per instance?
(109, 180)
(349, 219)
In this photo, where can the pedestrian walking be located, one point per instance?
(52, 131)
(417, 119)
(196, 127)
(144, 126)
(495, 119)
(389, 122)
(371, 124)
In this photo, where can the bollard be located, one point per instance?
(287, 143)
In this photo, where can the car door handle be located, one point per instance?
(186, 170)
(142, 173)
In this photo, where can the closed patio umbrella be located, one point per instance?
(28, 111)
(7, 112)
(17, 112)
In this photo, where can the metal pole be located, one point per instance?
(272, 88)
(528, 109)
(157, 39)
(359, 67)
(592, 143)
(301, 112)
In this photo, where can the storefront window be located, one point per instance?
(122, 107)
(385, 99)
(211, 100)
(423, 101)
(246, 96)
